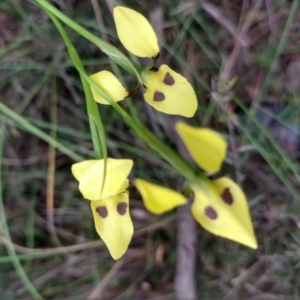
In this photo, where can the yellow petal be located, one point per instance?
(110, 84)
(135, 32)
(90, 176)
(169, 92)
(220, 206)
(113, 223)
(158, 199)
(207, 147)
(79, 168)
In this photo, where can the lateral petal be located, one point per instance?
(158, 199)
(113, 223)
(135, 32)
(207, 147)
(220, 206)
(110, 84)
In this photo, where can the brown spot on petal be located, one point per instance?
(158, 96)
(227, 197)
(211, 213)
(102, 211)
(122, 208)
(169, 80)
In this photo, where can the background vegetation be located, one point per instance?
(242, 57)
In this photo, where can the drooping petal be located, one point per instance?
(113, 223)
(220, 206)
(169, 92)
(110, 84)
(90, 176)
(158, 199)
(135, 32)
(207, 147)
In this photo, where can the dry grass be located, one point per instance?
(256, 41)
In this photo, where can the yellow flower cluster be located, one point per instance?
(166, 90)
(219, 205)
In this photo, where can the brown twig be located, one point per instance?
(51, 167)
(185, 286)
(78, 247)
(96, 293)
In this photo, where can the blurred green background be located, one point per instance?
(243, 59)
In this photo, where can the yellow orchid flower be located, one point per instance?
(220, 205)
(110, 205)
(166, 90)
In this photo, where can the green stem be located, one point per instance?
(107, 48)
(96, 125)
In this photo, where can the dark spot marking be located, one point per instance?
(169, 80)
(122, 208)
(227, 197)
(102, 211)
(158, 96)
(211, 213)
